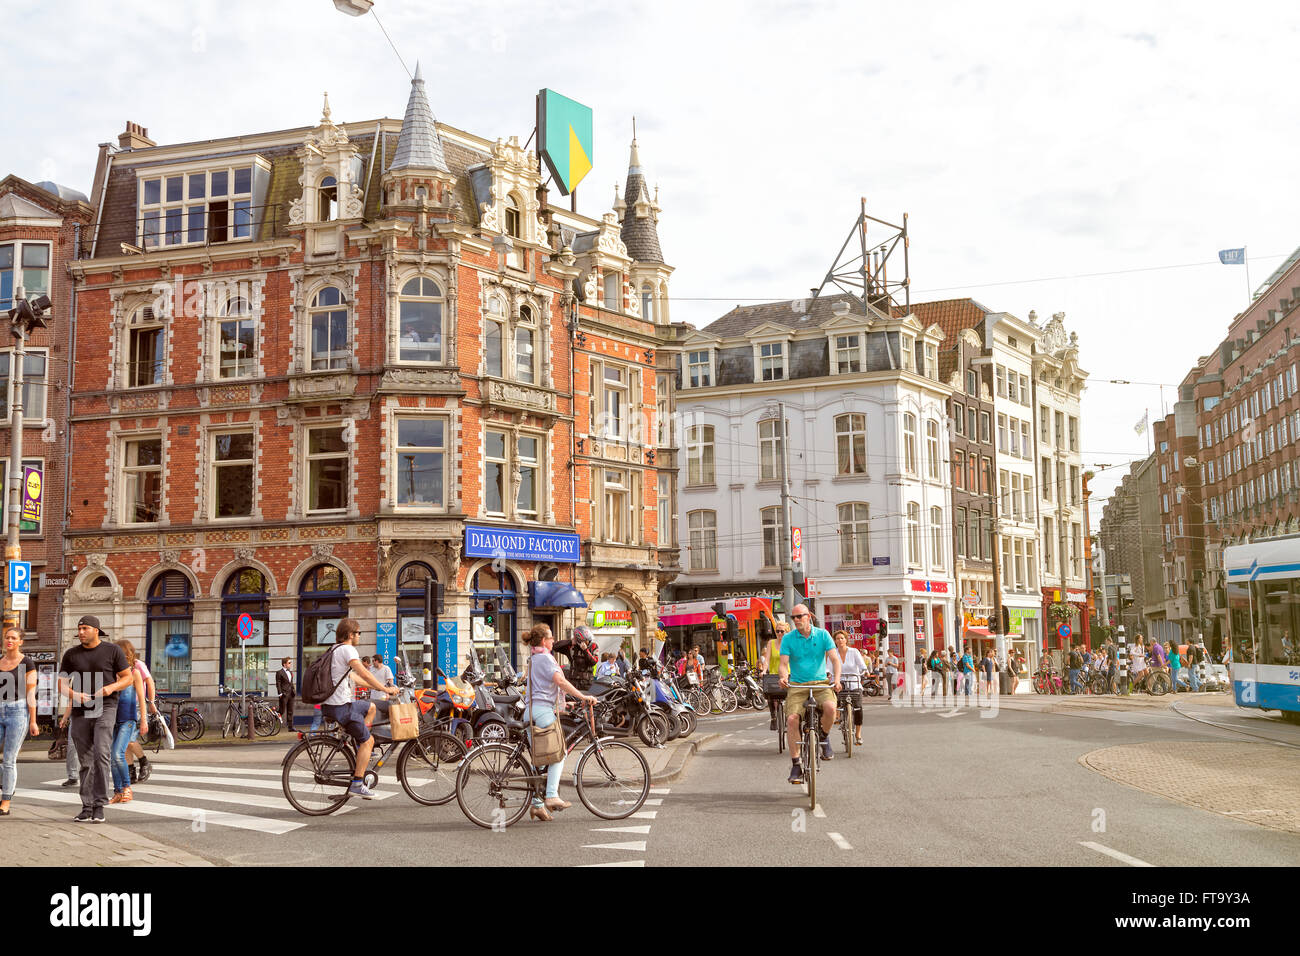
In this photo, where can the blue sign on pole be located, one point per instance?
(386, 640)
(20, 577)
(1064, 631)
(447, 646)
(558, 546)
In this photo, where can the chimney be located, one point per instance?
(135, 137)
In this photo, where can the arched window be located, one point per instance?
(420, 321)
(498, 590)
(494, 337)
(167, 634)
(525, 353)
(244, 663)
(236, 340)
(513, 220)
(410, 614)
(328, 194)
(647, 302)
(322, 604)
(329, 330)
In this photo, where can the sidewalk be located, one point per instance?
(44, 836)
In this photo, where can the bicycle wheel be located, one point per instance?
(1160, 684)
(846, 728)
(757, 700)
(266, 722)
(613, 779)
(427, 768)
(699, 701)
(727, 698)
(316, 776)
(810, 767)
(229, 726)
(493, 786)
(189, 726)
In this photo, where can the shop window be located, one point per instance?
(169, 624)
(492, 618)
(244, 664)
(322, 604)
(411, 581)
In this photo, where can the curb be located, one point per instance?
(677, 762)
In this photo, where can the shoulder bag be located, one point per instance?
(546, 744)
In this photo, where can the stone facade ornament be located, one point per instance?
(96, 560)
(245, 554)
(170, 557)
(322, 551)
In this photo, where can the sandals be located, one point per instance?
(122, 796)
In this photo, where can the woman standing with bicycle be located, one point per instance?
(852, 667)
(546, 681)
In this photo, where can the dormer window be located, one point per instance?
(931, 361)
(771, 361)
(613, 286)
(699, 369)
(909, 348)
(514, 229)
(647, 302)
(848, 354)
(327, 195)
(209, 206)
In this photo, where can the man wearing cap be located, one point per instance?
(90, 676)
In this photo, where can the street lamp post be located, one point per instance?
(23, 317)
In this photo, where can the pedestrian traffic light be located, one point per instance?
(490, 614)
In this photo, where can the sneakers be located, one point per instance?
(85, 816)
(98, 815)
(796, 774)
(771, 725)
(74, 782)
(826, 750)
(359, 789)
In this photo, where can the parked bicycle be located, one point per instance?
(496, 783)
(721, 699)
(266, 720)
(189, 724)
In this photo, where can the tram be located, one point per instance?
(1263, 584)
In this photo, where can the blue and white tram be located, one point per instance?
(1264, 623)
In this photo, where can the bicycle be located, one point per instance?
(496, 783)
(317, 772)
(266, 720)
(809, 751)
(189, 720)
(848, 684)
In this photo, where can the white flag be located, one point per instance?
(1141, 426)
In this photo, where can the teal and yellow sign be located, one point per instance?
(564, 138)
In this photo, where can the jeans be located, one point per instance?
(93, 737)
(1074, 680)
(13, 731)
(71, 764)
(543, 715)
(1194, 677)
(968, 678)
(1174, 672)
(936, 683)
(123, 734)
(891, 678)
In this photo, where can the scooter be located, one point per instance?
(681, 718)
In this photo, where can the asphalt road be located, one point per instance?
(934, 787)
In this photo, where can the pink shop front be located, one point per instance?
(924, 620)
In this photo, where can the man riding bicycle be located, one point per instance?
(353, 716)
(804, 653)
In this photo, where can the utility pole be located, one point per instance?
(23, 317)
(1105, 601)
(997, 572)
(787, 532)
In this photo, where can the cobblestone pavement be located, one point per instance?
(1257, 783)
(42, 836)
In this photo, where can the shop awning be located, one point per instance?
(984, 632)
(554, 594)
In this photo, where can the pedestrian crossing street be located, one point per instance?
(242, 798)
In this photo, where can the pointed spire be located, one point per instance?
(419, 146)
(325, 111)
(640, 217)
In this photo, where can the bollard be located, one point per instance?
(427, 662)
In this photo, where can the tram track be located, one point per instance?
(1236, 730)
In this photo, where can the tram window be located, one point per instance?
(1240, 625)
(1279, 602)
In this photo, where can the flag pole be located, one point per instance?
(1246, 259)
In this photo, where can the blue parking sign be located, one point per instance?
(20, 577)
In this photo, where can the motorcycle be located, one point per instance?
(497, 713)
(747, 690)
(623, 710)
(873, 684)
(680, 716)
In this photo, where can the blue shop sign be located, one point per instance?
(521, 545)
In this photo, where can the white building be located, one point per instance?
(868, 447)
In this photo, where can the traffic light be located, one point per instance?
(720, 609)
(1006, 620)
(28, 315)
(490, 614)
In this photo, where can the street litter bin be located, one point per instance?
(1004, 681)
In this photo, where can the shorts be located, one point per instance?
(351, 717)
(797, 694)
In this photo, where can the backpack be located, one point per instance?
(316, 684)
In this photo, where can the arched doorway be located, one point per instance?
(244, 664)
(410, 613)
(322, 604)
(169, 649)
(493, 617)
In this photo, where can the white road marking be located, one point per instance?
(646, 814)
(655, 802)
(623, 863)
(641, 830)
(839, 841)
(150, 792)
(661, 789)
(637, 845)
(159, 765)
(818, 811)
(167, 777)
(1122, 857)
(214, 817)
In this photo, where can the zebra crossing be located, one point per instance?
(241, 798)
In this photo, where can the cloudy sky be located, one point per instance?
(1085, 158)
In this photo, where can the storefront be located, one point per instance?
(862, 623)
(1025, 636)
(615, 625)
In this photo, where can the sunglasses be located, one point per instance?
(797, 616)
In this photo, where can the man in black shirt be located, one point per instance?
(90, 676)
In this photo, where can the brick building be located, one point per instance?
(319, 366)
(1130, 537)
(40, 228)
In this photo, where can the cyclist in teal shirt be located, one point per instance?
(803, 661)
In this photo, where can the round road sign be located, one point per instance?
(245, 626)
(1064, 631)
